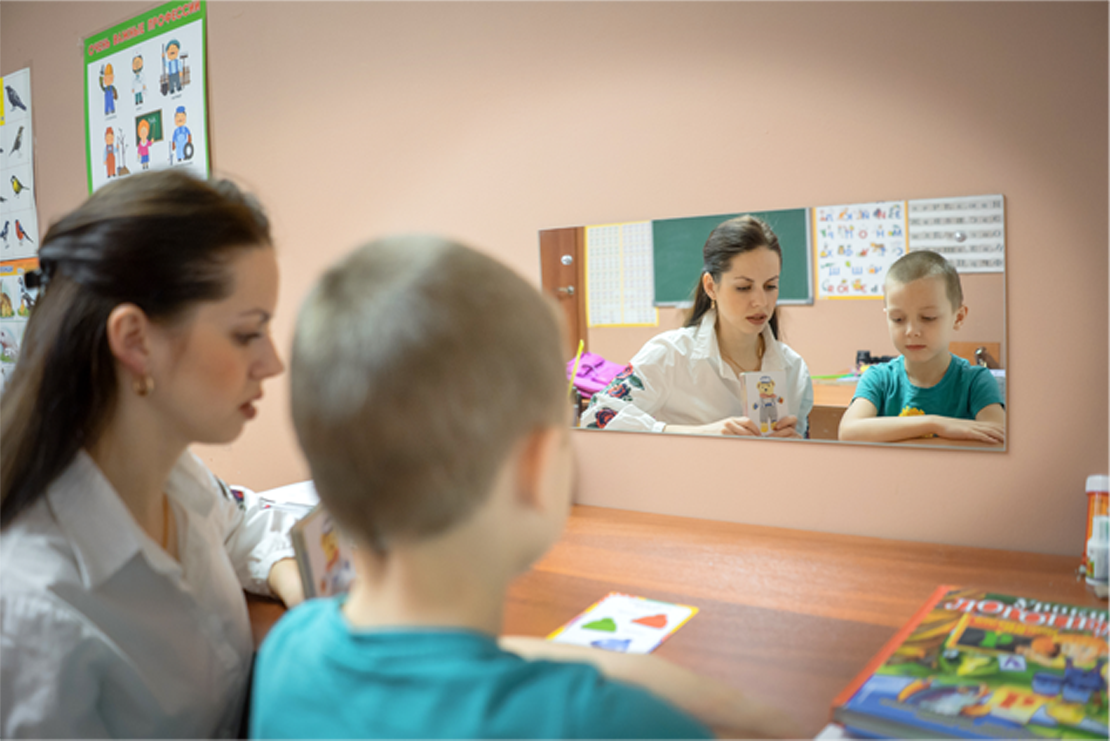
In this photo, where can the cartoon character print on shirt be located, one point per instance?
(619, 388)
(908, 411)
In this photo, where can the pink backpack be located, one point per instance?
(594, 373)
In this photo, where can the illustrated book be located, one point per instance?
(323, 555)
(974, 664)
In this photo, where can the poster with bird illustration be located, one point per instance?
(19, 221)
(625, 623)
(145, 94)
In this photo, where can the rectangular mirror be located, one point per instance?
(624, 283)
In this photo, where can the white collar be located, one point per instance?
(99, 527)
(706, 347)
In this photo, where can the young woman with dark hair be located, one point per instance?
(688, 380)
(122, 610)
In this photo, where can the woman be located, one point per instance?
(688, 380)
(122, 610)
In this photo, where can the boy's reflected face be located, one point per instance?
(921, 319)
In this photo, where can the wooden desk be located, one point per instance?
(790, 616)
(829, 402)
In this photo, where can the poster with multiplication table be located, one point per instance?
(624, 623)
(854, 245)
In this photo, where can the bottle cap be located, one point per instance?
(1098, 482)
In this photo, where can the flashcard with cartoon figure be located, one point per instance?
(19, 222)
(765, 398)
(145, 102)
(323, 555)
(621, 622)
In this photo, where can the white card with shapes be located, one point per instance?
(624, 623)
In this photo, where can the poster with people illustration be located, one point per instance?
(145, 98)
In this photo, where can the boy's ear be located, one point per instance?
(537, 456)
(128, 330)
(961, 317)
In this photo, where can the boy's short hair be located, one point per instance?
(925, 264)
(417, 364)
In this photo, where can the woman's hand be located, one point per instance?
(786, 427)
(738, 426)
(285, 582)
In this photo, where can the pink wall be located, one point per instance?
(488, 122)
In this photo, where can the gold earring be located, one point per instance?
(143, 386)
(713, 304)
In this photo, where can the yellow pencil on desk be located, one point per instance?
(577, 360)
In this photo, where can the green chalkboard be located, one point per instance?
(677, 244)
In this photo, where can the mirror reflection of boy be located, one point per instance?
(434, 419)
(926, 391)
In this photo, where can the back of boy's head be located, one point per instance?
(416, 367)
(925, 264)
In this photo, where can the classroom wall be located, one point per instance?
(828, 333)
(488, 122)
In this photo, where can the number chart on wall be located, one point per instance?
(620, 277)
(145, 100)
(855, 244)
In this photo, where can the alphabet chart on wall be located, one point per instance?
(853, 246)
(146, 94)
(620, 275)
(970, 231)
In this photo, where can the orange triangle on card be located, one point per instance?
(653, 621)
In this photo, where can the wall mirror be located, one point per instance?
(621, 284)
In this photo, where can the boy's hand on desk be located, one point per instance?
(970, 429)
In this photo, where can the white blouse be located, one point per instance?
(102, 633)
(681, 379)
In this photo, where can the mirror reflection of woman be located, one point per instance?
(688, 380)
(122, 611)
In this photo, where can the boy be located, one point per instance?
(429, 395)
(927, 391)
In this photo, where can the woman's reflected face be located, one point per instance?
(748, 291)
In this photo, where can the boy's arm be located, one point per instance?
(725, 709)
(860, 423)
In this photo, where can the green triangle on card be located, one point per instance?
(603, 624)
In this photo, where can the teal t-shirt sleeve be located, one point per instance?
(611, 709)
(873, 385)
(984, 390)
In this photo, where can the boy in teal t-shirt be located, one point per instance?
(435, 422)
(927, 391)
